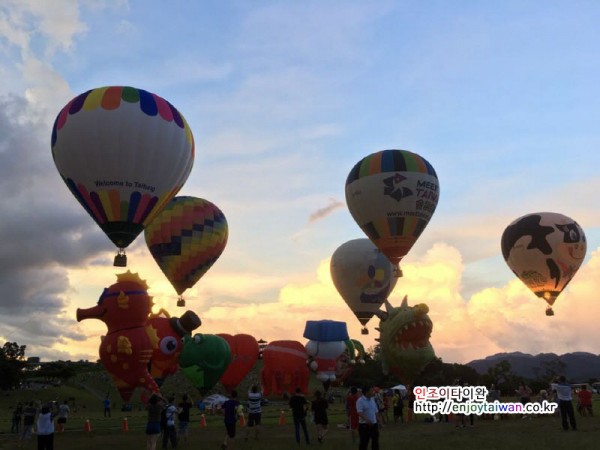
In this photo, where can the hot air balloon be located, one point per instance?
(404, 340)
(186, 239)
(544, 250)
(284, 368)
(327, 341)
(204, 359)
(126, 349)
(124, 153)
(244, 354)
(167, 334)
(363, 276)
(353, 354)
(392, 195)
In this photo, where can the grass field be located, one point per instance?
(541, 432)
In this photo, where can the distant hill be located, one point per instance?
(576, 366)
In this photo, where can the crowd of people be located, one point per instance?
(368, 409)
(35, 416)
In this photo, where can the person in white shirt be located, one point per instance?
(368, 426)
(63, 413)
(45, 429)
(254, 411)
(565, 403)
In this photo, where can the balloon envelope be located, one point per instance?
(244, 354)
(203, 359)
(124, 153)
(363, 276)
(186, 239)
(544, 250)
(392, 195)
(284, 368)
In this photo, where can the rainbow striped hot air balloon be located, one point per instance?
(186, 239)
(392, 195)
(124, 153)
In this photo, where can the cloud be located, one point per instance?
(44, 232)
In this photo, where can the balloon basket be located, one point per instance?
(397, 272)
(120, 259)
(364, 331)
(180, 301)
(549, 311)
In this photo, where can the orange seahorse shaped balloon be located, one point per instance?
(126, 349)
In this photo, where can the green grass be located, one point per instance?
(542, 432)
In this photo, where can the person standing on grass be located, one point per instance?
(230, 408)
(183, 418)
(254, 411)
(411, 405)
(397, 406)
(106, 404)
(565, 403)
(155, 407)
(351, 400)
(585, 402)
(319, 409)
(63, 413)
(169, 432)
(16, 418)
(28, 420)
(45, 429)
(368, 426)
(299, 406)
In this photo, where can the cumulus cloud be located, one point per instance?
(43, 232)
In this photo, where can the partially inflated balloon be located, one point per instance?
(204, 359)
(392, 195)
(124, 153)
(126, 349)
(284, 368)
(244, 354)
(186, 239)
(363, 276)
(545, 251)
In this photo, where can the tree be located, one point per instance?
(57, 371)
(12, 363)
(501, 376)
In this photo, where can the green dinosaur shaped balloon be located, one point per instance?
(204, 359)
(404, 338)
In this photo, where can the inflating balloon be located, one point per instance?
(284, 368)
(126, 349)
(124, 153)
(363, 276)
(204, 359)
(186, 239)
(392, 195)
(404, 340)
(167, 334)
(244, 354)
(327, 341)
(544, 250)
(352, 355)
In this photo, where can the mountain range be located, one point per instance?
(576, 366)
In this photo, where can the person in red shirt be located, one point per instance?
(585, 401)
(351, 399)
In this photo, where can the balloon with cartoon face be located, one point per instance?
(544, 250)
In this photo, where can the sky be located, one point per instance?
(283, 98)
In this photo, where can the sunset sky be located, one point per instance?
(283, 98)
